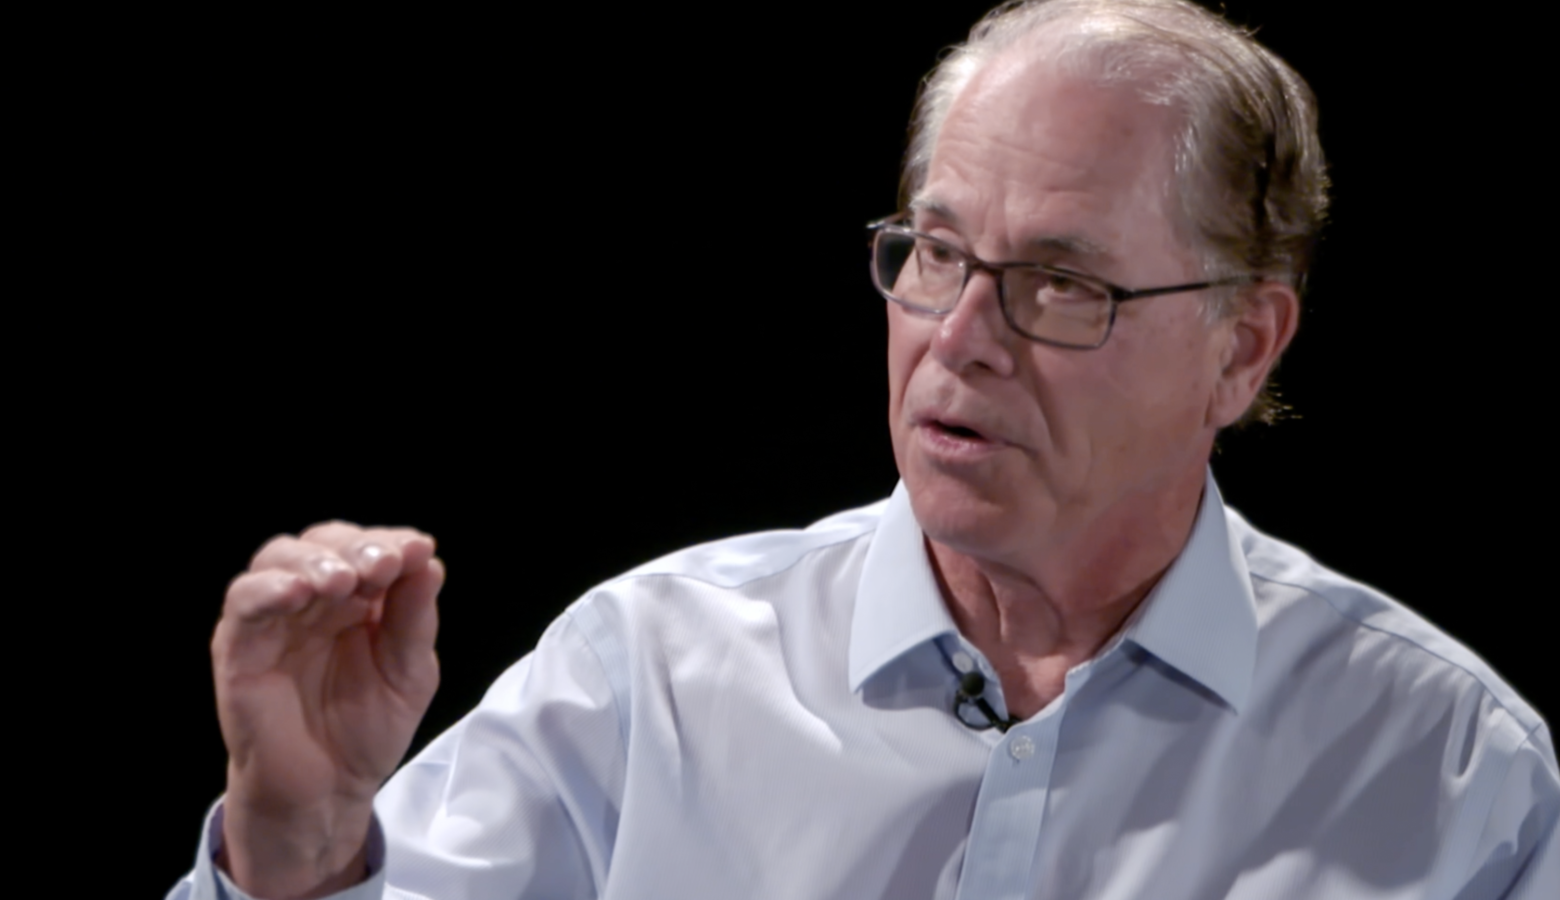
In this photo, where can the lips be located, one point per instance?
(955, 441)
(955, 426)
(958, 430)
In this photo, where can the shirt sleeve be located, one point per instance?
(519, 798)
(207, 882)
(1518, 856)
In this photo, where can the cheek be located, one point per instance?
(907, 345)
(908, 341)
(1156, 391)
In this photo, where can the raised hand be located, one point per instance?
(324, 665)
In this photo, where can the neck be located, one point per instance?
(1037, 620)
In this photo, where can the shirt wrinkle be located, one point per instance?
(794, 736)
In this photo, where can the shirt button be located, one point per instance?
(1022, 748)
(962, 661)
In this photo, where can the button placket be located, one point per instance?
(1010, 813)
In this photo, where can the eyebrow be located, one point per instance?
(1071, 244)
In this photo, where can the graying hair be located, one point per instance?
(1250, 177)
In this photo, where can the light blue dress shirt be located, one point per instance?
(772, 716)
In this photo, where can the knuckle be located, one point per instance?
(329, 574)
(335, 531)
(414, 547)
(420, 542)
(395, 534)
(270, 549)
(255, 593)
(370, 551)
(241, 585)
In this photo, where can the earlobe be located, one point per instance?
(1260, 332)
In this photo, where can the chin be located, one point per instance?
(974, 518)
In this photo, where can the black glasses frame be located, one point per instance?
(972, 264)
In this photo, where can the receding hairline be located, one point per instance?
(1249, 175)
(1049, 44)
(1083, 41)
(1072, 42)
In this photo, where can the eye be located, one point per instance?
(938, 254)
(1059, 287)
(1063, 285)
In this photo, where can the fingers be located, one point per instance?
(255, 596)
(340, 559)
(333, 561)
(378, 555)
(407, 628)
(318, 567)
(333, 577)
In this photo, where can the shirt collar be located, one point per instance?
(898, 603)
(1200, 618)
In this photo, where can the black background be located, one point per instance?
(502, 279)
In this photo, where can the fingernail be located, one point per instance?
(327, 566)
(369, 554)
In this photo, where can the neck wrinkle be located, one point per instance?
(1076, 596)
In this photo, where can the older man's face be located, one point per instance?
(1003, 441)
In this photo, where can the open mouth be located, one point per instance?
(959, 431)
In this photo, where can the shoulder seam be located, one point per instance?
(770, 573)
(1527, 740)
(585, 632)
(1510, 714)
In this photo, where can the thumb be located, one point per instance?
(403, 642)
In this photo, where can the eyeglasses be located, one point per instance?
(1043, 303)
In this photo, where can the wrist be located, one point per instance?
(294, 854)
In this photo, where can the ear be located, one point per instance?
(1260, 330)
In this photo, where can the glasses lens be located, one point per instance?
(1046, 304)
(917, 271)
(1056, 307)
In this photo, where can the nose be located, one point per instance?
(975, 335)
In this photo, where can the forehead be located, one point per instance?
(1029, 146)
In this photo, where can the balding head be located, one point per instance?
(1249, 182)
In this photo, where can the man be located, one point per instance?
(1052, 664)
